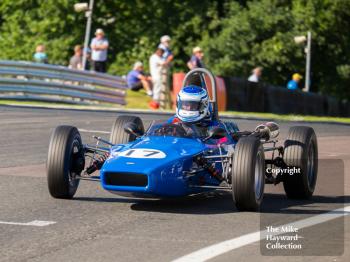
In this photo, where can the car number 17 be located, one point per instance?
(142, 153)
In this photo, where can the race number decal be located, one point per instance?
(142, 153)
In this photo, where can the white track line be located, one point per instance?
(212, 251)
(94, 131)
(35, 223)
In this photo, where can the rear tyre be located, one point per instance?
(65, 161)
(118, 135)
(248, 174)
(301, 152)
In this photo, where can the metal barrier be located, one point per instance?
(51, 83)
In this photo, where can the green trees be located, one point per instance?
(236, 36)
(261, 33)
(26, 23)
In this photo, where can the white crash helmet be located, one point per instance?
(192, 104)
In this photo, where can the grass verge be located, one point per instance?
(137, 100)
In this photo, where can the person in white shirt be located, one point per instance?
(156, 63)
(99, 46)
(168, 57)
(256, 74)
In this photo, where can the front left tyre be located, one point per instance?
(65, 161)
(301, 152)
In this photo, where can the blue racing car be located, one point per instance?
(191, 153)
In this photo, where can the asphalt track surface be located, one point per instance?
(99, 226)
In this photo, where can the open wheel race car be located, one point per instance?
(170, 160)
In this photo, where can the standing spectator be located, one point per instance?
(99, 46)
(294, 83)
(76, 61)
(156, 64)
(168, 58)
(165, 45)
(137, 79)
(256, 75)
(40, 56)
(196, 59)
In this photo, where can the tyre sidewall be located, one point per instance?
(59, 162)
(298, 185)
(118, 135)
(243, 174)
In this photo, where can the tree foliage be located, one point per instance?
(235, 35)
(261, 33)
(26, 23)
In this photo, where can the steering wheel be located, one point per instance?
(171, 130)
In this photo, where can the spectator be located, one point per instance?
(165, 45)
(99, 46)
(137, 79)
(165, 79)
(156, 64)
(76, 61)
(196, 59)
(294, 83)
(256, 74)
(40, 55)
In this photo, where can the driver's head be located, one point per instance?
(192, 104)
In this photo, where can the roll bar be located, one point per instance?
(201, 72)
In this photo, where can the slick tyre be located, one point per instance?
(300, 151)
(118, 135)
(248, 174)
(65, 162)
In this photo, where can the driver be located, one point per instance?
(192, 105)
(194, 110)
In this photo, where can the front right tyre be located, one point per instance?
(248, 174)
(65, 161)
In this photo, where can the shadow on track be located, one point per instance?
(206, 203)
(221, 202)
(105, 199)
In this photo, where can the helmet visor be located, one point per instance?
(189, 105)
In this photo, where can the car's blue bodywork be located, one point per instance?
(161, 165)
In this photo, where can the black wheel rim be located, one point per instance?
(75, 155)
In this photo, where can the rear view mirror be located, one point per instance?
(132, 129)
(216, 133)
